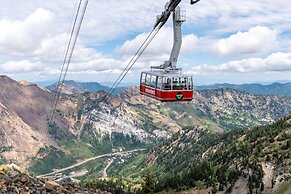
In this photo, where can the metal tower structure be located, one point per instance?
(179, 16)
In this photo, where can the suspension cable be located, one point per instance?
(125, 48)
(115, 84)
(133, 60)
(64, 62)
(68, 55)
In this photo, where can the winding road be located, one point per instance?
(88, 160)
(105, 169)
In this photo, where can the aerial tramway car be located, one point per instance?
(167, 87)
(166, 82)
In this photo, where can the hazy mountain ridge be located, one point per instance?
(229, 107)
(277, 89)
(71, 87)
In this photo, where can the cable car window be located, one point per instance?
(148, 80)
(190, 83)
(143, 76)
(153, 81)
(175, 83)
(159, 83)
(183, 83)
(166, 83)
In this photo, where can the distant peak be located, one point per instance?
(70, 81)
(4, 77)
(26, 83)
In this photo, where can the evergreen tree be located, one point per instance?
(262, 187)
(149, 185)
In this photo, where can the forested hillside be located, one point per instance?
(198, 158)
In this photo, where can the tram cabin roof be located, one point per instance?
(166, 74)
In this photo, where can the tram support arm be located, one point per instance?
(194, 1)
(177, 28)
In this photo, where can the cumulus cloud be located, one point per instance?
(276, 62)
(24, 66)
(36, 31)
(228, 16)
(257, 40)
(23, 36)
(51, 49)
(161, 44)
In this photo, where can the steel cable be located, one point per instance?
(69, 51)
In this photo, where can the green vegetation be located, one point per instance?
(97, 144)
(87, 146)
(116, 185)
(149, 183)
(51, 158)
(129, 168)
(91, 169)
(284, 188)
(200, 158)
(234, 154)
(147, 120)
(77, 148)
(58, 134)
(80, 106)
(2, 160)
(123, 185)
(126, 141)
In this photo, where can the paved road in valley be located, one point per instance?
(88, 160)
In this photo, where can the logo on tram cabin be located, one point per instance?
(179, 96)
(149, 91)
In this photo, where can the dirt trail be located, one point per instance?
(105, 169)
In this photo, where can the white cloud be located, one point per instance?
(36, 31)
(161, 45)
(257, 40)
(276, 62)
(22, 37)
(24, 66)
(51, 49)
(279, 62)
(96, 63)
(228, 16)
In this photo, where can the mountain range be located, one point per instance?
(72, 87)
(83, 127)
(276, 89)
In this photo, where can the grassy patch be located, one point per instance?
(284, 188)
(77, 148)
(53, 158)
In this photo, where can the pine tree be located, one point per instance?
(149, 185)
(262, 187)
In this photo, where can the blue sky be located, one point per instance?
(223, 41)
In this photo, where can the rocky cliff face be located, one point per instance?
(24, 110)
(229, 107)
(218, 110)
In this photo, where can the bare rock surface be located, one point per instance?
(16, 182)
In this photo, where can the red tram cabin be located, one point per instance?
(167, 87)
